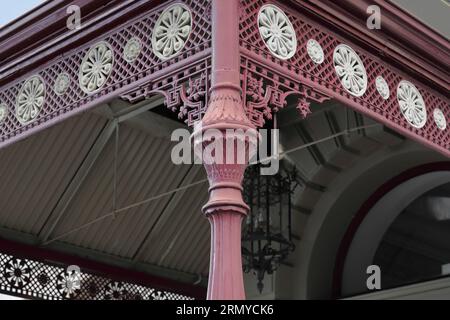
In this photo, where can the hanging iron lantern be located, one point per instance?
(267, 231)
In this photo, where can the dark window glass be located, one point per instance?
(416, 246)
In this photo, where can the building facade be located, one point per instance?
(93, 206)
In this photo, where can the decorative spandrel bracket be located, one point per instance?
(185, 94)
(263, 94)
(266, 94)
(189, 100)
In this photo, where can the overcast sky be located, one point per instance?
(11, 9)
(433, 12)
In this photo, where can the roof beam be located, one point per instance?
(137, 116)
(76, 182)
(172, 203)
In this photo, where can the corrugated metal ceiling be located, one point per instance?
(169, 232)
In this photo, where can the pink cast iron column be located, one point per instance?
(225, 208)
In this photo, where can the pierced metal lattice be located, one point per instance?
(37, 280)
(285, 77)
(146, 65)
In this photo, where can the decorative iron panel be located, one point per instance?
(37, 280)
(310, 74)
(128, 68)
(269, 78)
(185, 91)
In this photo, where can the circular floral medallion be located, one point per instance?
(315, 51)
(382, 87)
(158, 295)
(132, 49)
(17, 272)
(115, 291)
(62, 83)
(277, 32)
(350, 70)
(171, 32)
(3, 112)
(411, 104)
(96, 67)
(68, 285)
(30, 99)
(439, 119)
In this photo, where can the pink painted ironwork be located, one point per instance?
(275, 79)
(266, 93)
(318, 82)
(39, 279)
(230, 80)
(186, 93)
(225, 208)
(160, 76)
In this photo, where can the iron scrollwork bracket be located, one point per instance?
(186, 96)
(265, 96)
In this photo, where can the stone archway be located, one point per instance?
(370, 232)
(315, 257)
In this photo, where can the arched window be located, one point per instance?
(416, 247)
(406, 233)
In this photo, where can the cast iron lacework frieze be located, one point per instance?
(326, 66)
(284, 57)
(129, 56)
(36, 280)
